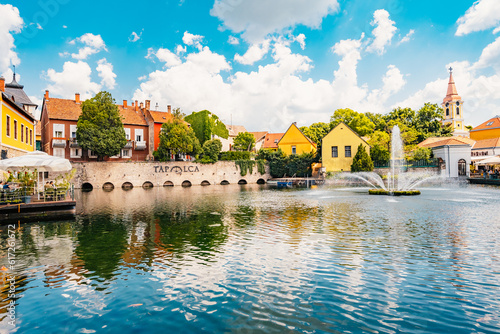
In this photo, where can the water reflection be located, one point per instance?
(214, 259)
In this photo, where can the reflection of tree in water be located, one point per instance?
(200, 233)
(244, 216)
(101, 244)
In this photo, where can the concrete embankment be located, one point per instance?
(157, 174)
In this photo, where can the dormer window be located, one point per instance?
(489, 124)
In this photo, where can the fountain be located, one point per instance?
(398, 181)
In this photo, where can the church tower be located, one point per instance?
(453, 109)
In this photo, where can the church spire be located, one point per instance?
(452, 93)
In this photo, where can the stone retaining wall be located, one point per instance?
(158, 174)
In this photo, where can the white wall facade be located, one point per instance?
(451, 155)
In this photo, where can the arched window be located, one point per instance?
(447, 111)
(458, 111)
(462, 170)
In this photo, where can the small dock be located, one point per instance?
(37, 211)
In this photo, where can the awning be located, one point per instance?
(40, 161)
(490, 161)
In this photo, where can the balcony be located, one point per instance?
(58, 143)
(128, 145)
(73, 143)
(140, 145)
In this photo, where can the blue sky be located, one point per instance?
(261, 64)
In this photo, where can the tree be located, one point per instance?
(362, 161)
(358, 122)
(380, 138)
(378, 120)
(99, 127)
(380, 153)
(244, 141)
(211, 150)
(316, 132)
(176, 138)
(421, 153)
(205, 125)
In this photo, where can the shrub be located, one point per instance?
(234, 155)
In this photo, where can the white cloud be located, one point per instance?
(65, 26)
(180, 49)
(301, 39)
(169, 58)
(74, 78)
(256, 19)
(105, 72)
(496, 30)
(233, 40)
(274, 95)
(407, 37)
(190, 39)
(383, 32)
(490, 56)
(11, 22)
(255, 53)
(93, 44)
(134, 37)
(484, 14)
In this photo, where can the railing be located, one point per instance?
(27, 195)
(59, 142)
(409, 164)
(140, 145)
(129, 144)
(73, 143)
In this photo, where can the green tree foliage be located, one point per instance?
(235, 155)
(378, 120)
(380, 153)
(359, 122)
(244, 141)
(380, 138)
(316, 132)
(421, 153)
(205, 125)
(280, 164)
(176, 137)
(362, 161)
(100, 127)
(211, 150)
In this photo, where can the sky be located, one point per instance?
(258, 63)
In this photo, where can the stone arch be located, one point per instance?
(108, 186)
(127, 186)
(205, 183)
(186, 184)
(168, 184)
(87, 187)
(224, 183)
(261, 181)
(147, 185)
(242, 181)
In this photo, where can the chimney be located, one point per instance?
(169, 107)
(125, 104)
(2, 84)
(148, 104)
(46, 96)
(142, 105)
(77, 98)
(136, 105)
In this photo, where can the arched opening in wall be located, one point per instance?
(224, 183)
(462, 167)
(261, 181)
(168, 184)
(108, 186)
(127, 186)
(205, 183)
(147, 185)
(186, 184)
(86, 187)
(242, 181)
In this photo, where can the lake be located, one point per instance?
(254, 259)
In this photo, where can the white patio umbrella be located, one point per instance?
(490, 161)
(40, 161)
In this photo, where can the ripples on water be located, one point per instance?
(251, 259)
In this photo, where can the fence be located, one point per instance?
(409, 164)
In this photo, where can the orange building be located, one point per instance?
(271, 141)
(487, 130)
(157, 119)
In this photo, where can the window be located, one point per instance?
(139, 135)
(58, 130)
(92, 154)
(294, 149)
(348, 151)
(126, 153)
(335, 152)
(447, 111)
(75, 153)
(72, 130)
(127, 133)
(489, 123)
(27, 142)
(458, 111)
(22, 133)
(15, 129)
(7, 123)
(58, 152)
(58, 134)
(31, 137)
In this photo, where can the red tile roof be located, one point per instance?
(272, 140)
(161, 116)
(63, 109)
(487, 143)
(132, 117)
(440, 141)
(259, 135)
(493, 123)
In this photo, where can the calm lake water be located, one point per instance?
(224, 259)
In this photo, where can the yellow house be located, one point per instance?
(17, 126)
(339, 147)
(295, 142)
